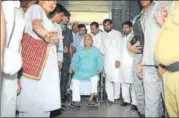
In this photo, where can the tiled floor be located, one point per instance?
(104, 111)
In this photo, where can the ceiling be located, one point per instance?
(86, 5)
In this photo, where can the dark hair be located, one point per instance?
(36, 2)
(59, 9)
(129, 23)
(81, 26)
(95, 23)
(67, 13)
(107, 20)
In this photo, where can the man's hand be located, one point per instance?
(60, 65)
(99, 71)
(133, 49)
(51, 37)
(161, 17)
(140, 70)
(117, 64)
(19, 87)
(65, 50)
(161, 70)
(71, 70)
(61, 37)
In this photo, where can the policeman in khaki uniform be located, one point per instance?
(167, 54)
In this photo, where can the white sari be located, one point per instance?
(39, 97)
(10, 84)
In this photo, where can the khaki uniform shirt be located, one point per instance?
(167, 47)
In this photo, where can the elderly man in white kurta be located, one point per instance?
(126, 67)
(111, 47)
(96, 34)
(15, 26)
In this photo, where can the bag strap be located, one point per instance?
(10, 37)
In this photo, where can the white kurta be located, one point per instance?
(126, 71)
(97, 40)
(60, 45)
(126, 60)
(40, 96)
(10, 84)
(111, 47)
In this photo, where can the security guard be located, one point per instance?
(167, 54)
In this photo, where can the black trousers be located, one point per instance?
(65, 76)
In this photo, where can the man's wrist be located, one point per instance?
(60, 62)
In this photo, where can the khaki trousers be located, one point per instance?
(171, 93)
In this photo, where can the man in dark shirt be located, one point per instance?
(67, 55)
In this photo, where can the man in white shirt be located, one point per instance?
(126, 67)
(78, 42)
(96, 34)
(111, 48)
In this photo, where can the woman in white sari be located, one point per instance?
(41, 94)
(14, 30)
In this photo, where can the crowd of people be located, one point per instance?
(39, 51)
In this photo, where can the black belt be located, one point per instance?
(172, 67)
(151, 65)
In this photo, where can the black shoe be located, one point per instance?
(109, 103)
(117, 101)
(142, 115)
(62, 110)
(124, 104)
(55, 113)
(64, 106)
(76, 105)
(134, 107)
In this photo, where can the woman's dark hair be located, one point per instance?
(59, 9)
(129, 23)
(95, 23)
(81, 26)
(36, 2)
(107, 20)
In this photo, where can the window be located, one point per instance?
(88, 11)
(88, 17)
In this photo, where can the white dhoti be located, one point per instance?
(128, 94)
(9, 96)
(113, 90)
(77, 87)
(112, 80)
